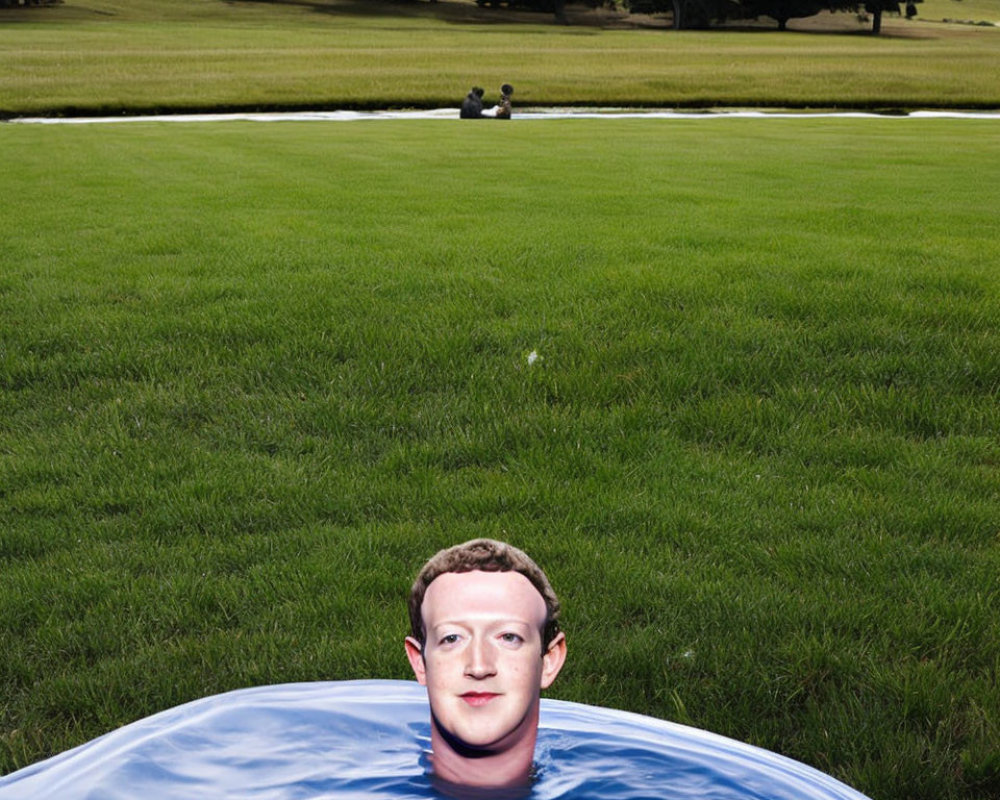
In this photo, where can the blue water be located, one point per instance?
(368, 740)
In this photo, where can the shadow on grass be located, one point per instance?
(581, 19)
(585, 19)
(470, 13)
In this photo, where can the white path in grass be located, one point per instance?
(526, 114)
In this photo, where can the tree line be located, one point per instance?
(689, 14)
(686, 14)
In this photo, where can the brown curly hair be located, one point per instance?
(487, 555)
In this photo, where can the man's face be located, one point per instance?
(482, 662)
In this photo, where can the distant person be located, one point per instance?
(472, 105)
(484, 640)
(502, 109)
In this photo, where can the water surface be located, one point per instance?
(368, 740)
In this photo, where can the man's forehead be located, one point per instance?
(483, 594)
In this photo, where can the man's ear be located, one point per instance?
(415, 653)
(553, 659)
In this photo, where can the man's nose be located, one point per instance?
(479, 659)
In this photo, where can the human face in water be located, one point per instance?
(482, 661)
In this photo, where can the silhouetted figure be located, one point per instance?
(472, 105)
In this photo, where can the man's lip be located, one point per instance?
(478, 698)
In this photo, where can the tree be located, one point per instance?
(782, 10)
(876, 7)
(688, 14)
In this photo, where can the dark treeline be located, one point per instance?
(705, 13)
(686, 14)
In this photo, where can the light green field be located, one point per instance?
(968, 10)
(252, 375)
(100, 56)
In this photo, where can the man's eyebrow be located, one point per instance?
(496, 622)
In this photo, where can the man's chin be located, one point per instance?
(473, 744)
(471, 741)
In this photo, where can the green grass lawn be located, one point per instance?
(111, 56)
(967, 10)
(252, 375)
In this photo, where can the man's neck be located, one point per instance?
(505, 769)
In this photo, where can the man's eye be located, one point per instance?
(451, 638)
(511, 638)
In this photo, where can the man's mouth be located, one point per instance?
(477, 699)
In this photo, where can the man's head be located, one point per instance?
(485, 641)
